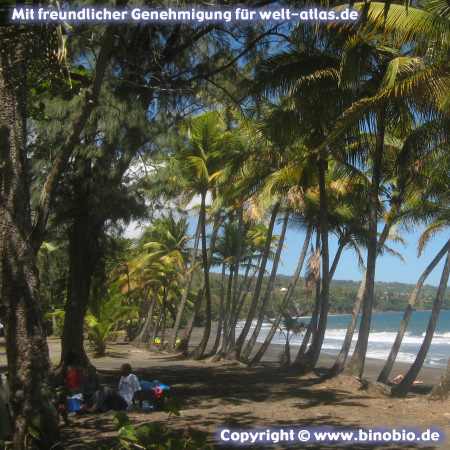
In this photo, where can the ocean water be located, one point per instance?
(383, 331)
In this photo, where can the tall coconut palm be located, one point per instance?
(382, 83)
(199, 158)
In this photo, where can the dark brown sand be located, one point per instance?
(227, 394)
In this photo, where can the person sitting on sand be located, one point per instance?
(73, 377)
(128, 384)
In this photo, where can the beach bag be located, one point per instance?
(158, 391)
(74, 403)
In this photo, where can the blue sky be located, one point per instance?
(389, 268)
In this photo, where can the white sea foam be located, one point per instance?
(379, 346)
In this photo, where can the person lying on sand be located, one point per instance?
(399, 378)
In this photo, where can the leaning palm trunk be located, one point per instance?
(182, 307)
(386, 371)
(356, 365)
(301, 353)
(402, 389)
(184, 345)
(198, 302)
(144, 333)
(318, 337)
(299, 359)
(227, 312)
(236, 351)
(341, 359)
(163, 327)
(206, 258)
(226, 349)
(339, 364)
(245, 284)
(252, 341)
(287, 298)
(235, 297)
(312, 277)
(221, 312)
(242, 297)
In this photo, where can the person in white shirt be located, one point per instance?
(128, 384)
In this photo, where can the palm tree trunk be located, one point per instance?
(269, 289)
(317, 339)
(201, 292)
(245, 283)
(235, 298)
(144, 333)
(356, 365)
(341, 359)
(221, 312)
(336, 259)
(386, 371)
(208, 316)
(227, 312)
(184, 347)
(184, 297)
(287, 297)
(164, 319)
(242, 297)
(312, 325)
(236, 351)
(339, 364)
(403, 387)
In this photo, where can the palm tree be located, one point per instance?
(187, 288)
(383, 377)
(435, 202)
(160, 259)
(380, 84)
(199, 158)
(403, 387)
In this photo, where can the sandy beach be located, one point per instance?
(227, 394)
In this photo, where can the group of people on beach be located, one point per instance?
(81, 385)
(79, 391)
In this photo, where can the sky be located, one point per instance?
(389, 268)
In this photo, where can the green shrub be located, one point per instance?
(156, 436)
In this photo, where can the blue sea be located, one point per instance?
(383, 332)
